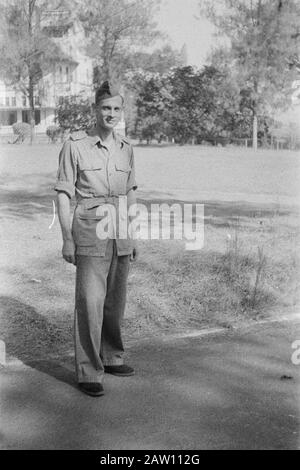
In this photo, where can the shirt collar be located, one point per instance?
(95, 138)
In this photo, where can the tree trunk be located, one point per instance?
(254, 132)
(265, 136)
(31, 112)
(106, 62)
(31, 7)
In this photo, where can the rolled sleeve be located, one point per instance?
(67, 170)
(131, 182)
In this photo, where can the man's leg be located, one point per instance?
(91, 283)
(112, 349)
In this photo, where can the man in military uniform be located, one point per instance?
(98, 167)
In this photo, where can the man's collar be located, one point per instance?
(95, 138)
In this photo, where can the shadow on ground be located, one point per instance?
(221, 213)
(24, 197)
(32, 339)
(27, 201)
(222, 392)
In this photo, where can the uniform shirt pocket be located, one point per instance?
(92, 178)
(91, 167)
(122, 166)
(122, 171)
(85, 226)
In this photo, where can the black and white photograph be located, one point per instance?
(150, 228)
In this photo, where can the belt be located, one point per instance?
(90, 203)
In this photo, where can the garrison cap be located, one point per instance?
(107, 90)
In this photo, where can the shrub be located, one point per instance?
(74, 113)
(54, 132)
(21, 130)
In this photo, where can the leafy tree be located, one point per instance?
(75, 113)
(115, 30)
(27, 52)
(185, 114)
(204, 105)
(143, 66)
(187, 103)
(160, 61)
(220, 102)
(153, 99)
(264, 44)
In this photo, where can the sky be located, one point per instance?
(177, 19)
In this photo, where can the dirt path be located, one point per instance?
(238, 390)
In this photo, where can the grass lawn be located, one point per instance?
(248, 268)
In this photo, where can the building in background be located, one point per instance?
(72, 75)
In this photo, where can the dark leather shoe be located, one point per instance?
(121, 371)
(91, 388)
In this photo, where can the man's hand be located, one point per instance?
(63, 208)
(68, 251)
(135, 253)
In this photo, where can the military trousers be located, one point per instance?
(100, 298)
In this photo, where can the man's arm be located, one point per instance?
(63, 208)
(131, 199)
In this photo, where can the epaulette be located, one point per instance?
(124, 139)
(79, 135)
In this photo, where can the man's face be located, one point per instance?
(108, 112)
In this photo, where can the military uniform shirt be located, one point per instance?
(92, 172)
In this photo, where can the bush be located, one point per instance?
(21, 130)
(54, 132)
(75, 113)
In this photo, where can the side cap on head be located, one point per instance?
(107, 90)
